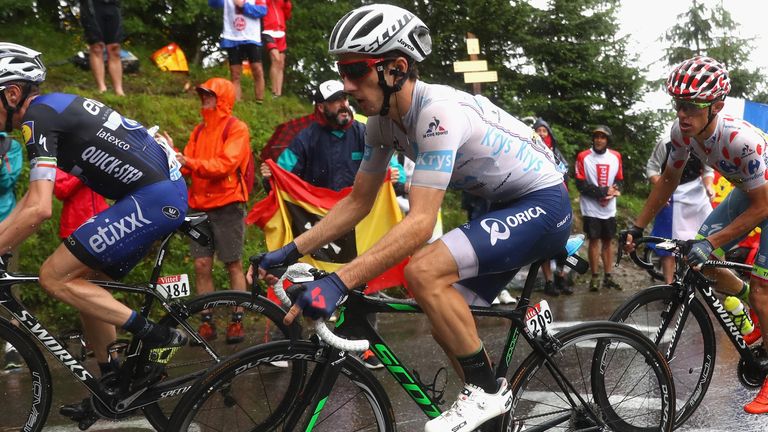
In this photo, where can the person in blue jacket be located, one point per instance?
(328, 152)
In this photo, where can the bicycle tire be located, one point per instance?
(692, 373)
(26, 390)
(619, 374)
(240, 393)
(265, 323)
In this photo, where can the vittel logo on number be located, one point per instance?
(500, 229)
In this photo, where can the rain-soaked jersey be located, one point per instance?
(111, 154)
(464, 142)
(737, 150)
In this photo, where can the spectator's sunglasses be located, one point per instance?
(356, 70)
(689, 107)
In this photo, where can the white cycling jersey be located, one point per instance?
(737, 150)
(464, 142)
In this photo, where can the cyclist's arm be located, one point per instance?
(345, 214)
(25, 219)
(399, 242)
(746, 221)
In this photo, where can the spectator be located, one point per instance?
(598, 178)
(103, 27)
(241, 39)
(559, 284)
(333, 144)
(11, 160)
(689, 206)
(214, 159)
(275, 42)
(79, 202)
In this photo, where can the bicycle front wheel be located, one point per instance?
(693, 359)
(602, 376)
(262, 322)
(258, 390)
(25, 381)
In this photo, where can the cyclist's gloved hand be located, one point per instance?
(699, 252)
(635, 231)
(282, 257)
(321, 297)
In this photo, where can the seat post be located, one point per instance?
(530, 282)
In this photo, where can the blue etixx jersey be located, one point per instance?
(111, 154)
(464, 142)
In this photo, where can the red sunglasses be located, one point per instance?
(357, 69)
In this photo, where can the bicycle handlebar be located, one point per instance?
(679, 247)
(302, 272)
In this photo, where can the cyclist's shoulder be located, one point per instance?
(58, 102)
(738, 131)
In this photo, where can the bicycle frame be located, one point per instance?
(139, 398)
(691, 283)
(354, 315)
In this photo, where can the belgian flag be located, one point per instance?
(294, 206)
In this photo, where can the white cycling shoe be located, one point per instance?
(473, 408)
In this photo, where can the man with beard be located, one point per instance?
(328, 152)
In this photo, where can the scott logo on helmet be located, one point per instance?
(500, 229)
(387, 35)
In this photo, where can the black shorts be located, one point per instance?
(250, 52)
(595, 228)
(103, 23)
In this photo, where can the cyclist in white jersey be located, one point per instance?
(456, 140)
(737, 150)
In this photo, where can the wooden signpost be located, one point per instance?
(475, 71)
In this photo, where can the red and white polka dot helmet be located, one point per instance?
(700, 78)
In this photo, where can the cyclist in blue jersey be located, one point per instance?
(456, 140)
(117, 158)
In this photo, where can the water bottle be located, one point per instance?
(739, 314)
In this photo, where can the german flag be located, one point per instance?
(294, 206)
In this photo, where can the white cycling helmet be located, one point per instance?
(379, 28)
(19, 63)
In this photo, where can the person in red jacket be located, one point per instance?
(79, 202)
(215, 160)
(278, 12)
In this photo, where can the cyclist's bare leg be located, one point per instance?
(64, 277)
(727, 282)
(454, 362)
(99, 335)
(430, 275)
(758, 299)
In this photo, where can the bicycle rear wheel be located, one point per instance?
(249, 393)
(610, 378)
(693, 361)
(25, 382)
(262, 322)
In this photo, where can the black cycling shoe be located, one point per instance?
(82, 412)
(151, 368)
